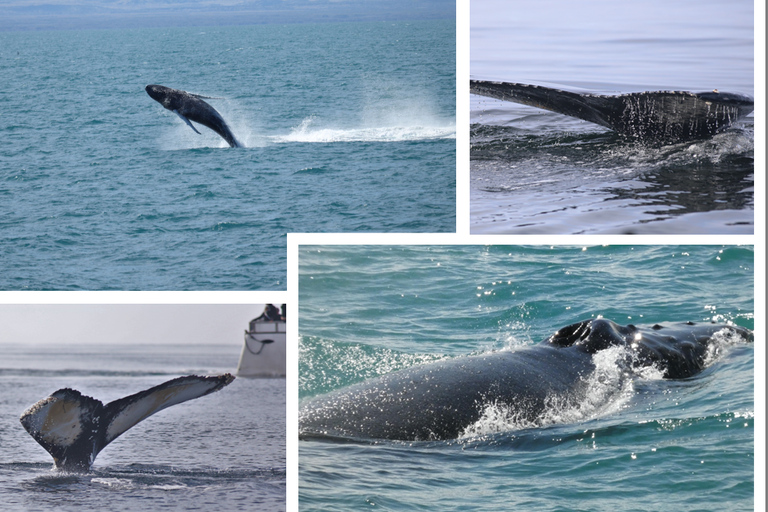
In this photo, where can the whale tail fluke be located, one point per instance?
(124, 413)
(74, 428)
(586, 107)
(61, 424)
(660, 116)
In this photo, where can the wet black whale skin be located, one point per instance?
(439, 400)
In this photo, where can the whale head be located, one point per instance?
(163, 95)
(593, 335)
(679, 350)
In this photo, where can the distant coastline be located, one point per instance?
(73, 15)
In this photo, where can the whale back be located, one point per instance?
(439, 400)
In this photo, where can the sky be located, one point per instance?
(126, 323)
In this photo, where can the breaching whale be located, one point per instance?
(191, 107)
(440, 400)
(74, 428)
(655, 117)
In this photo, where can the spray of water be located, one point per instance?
(309, 131)
(607, 389)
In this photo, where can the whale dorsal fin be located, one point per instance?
(184, 118)
(124, 413)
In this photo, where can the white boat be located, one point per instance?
(263, 353)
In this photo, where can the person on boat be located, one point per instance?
(271, 314)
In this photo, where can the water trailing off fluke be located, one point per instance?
(665, 117)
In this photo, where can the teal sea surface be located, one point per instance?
(348, 127)
(657, 445)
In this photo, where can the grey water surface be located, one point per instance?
(535, 171)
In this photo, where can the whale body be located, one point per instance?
(440, 400)
(191, 107)
(74, 428)
(656, 117)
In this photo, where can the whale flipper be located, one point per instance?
(206, 97)
(74, 428)
(658, 116)
(186, 121)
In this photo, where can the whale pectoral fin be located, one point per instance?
(126, 412)
(60, 422)
(183, 118)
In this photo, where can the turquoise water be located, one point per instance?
(666, 445)
(225, 451)
(534, 171)
(349, 127)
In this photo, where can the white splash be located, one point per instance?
(604, 391)
(720, 342)
(118, 483)
(306, 131)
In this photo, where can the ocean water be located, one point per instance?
(534, 171)
(656, 445)
(224, 451)
(349, 127)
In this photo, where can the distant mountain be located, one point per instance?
(72, 14)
